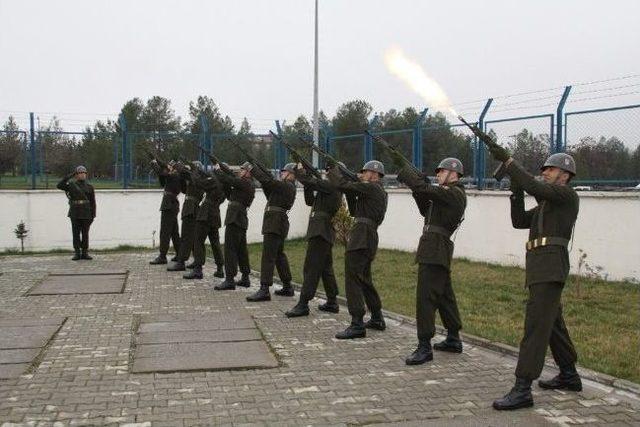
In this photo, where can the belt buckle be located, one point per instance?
(313, 213)
(543, 241)
(530, 245)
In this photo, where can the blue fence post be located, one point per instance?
(368, 140)
(125, 151)
(416, 149)
(280, 152)
(32, 136)
(205, 141)
(560, 142)
(328, 134)
(480, 149)
(115, 158)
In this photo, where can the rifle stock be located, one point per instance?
(350, 175)
(297, 156)
(252, 159)
(213, 158)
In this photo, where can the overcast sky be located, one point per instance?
(83, 59)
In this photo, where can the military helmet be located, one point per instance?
(246, 166)
(198, 164)
(562, 161)
(289, 167)
(373, 166)
(451, 164)
(81, 169)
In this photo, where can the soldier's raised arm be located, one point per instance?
(425, 190)
(541, 190)
(520, 218)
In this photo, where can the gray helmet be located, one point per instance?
(172, 163)
(246, 166)
(562, 161)
(451, 164)
(81, 169)
(289, 167)
(198, 165)
(373, 166)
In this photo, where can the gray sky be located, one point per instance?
(83, 59)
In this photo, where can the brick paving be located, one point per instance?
(83, 376)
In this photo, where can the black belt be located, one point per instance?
(275, 209)
(430, 228)
(319, 214)
(191, 198)
(79, 202)
(364, 220)
(547, 241)
(169, 193)
(237, 203)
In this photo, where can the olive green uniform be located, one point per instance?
(82, 210)
(169, 209)
(550, 226)
(325, 201)
(368, 204)
(443, 209)
(275, 227)
(241, 193)
(208, 219)
(192, 198)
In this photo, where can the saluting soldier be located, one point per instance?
(82, 209)
(368, 204)
(325, 201)
(550, 226)
(193, 195)
(169, 207)
(280, 196)
(241, 193)
(208, 223)
(443, 209)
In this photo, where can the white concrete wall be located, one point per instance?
(608, 229)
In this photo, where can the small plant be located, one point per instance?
(342, 223)
(21, 233)
(582, 260)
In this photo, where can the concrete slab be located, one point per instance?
(80, 284)
(203, 356)
(13, 370)
(22, 355)
(222, 315)
(26, 336)
(87, 272)
(228, 335)
(31, 321)
(198, 325)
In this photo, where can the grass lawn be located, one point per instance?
(604, 321)
(42, 183)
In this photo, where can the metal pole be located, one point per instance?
(481, 151)
(32, 134)
(560, 142)
(125, 152)
(316, 125)
(417, 151)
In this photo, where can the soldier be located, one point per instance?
(443, 210)
(368, 205)
(550, 226)
(193, 195)
(82, 209)
(275, 227)
(325, 201)
(241, 192)
(169, 208)
(208, 224)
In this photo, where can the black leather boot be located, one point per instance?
(355, 330)
(76, 256)
(451, 344)
(331, 306)
(219, 272)
(227, 285)
(518, 397)
(176, 266)
(298, 310)
(285, 291)
(244, 282)
(86, 256)
(262, 294)
(195, 273)
(376, 322)
(158, 260)
(190, 265)
(567, 379)
(421, 354)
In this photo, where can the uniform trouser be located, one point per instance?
(318, 263)
(359, 284)
(169, 231)
(544, 325)
(273, 257)
(434, 292)
(80, 231)
(187, 237)
(235, 251)
(206, 229)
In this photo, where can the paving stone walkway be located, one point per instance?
(84, 374)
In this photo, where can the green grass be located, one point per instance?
(56, 251)
(604, 321)
(43, 183)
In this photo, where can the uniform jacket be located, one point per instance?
(368, 200)
(441, 206)
(280, 194)
(172, 184)
(82, 198)
(554, 216)
(240, 192)
(192, 198)
(214, 196)
(324, 200)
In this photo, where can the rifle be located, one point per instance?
(213, 158)
(253, 160)
(152, 155)
(397, 154)
(501, 170)
(350, 175)
(297, 156)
